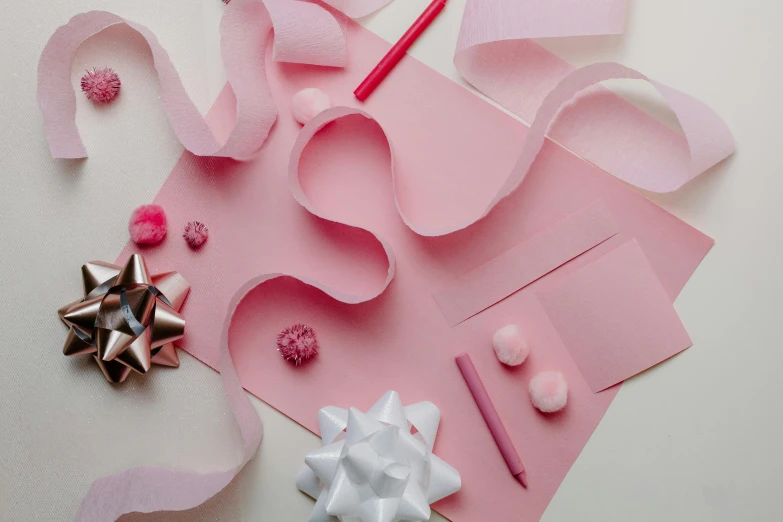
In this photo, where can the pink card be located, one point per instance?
(614, 317)
(449, 164)
(497, 279)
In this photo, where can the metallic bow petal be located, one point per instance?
(372, 468)
(128, 319)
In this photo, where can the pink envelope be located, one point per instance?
(453, 151)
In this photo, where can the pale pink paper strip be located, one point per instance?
(494, 54)
(357, 8)
(702, 127)
(304, 32)
(525, 263)
(146, 489)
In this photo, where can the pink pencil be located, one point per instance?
(492, 418)
(399, 49)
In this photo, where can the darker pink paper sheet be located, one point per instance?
(449, 163)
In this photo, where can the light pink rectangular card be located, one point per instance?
(614, 317)
(453, 151)
(518, 267)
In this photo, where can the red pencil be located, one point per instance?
(399, 49)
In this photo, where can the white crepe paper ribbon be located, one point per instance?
(371, 468)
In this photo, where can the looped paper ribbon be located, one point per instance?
(696, 119)
(245, 28)
(494, 53)
(147, 489)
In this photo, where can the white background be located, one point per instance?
(699, 438)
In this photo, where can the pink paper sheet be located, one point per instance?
(500, 277)
(454, 163)
(614, 317)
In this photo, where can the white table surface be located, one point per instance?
(698, 438)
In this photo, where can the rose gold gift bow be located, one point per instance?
(486, 43)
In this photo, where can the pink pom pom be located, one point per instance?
(308, 103)
(195, 234)
(549, 391)
(510, 345)
(147, 225)
(297, 343)
(101, 85)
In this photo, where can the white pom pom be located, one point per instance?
(510, 345)
(308, 103)
(549, 391)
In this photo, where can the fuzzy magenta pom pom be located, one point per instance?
(101, 85)
(196, 233)
(297, 343)
(510, 345)
(549, 391)
(147, 225)
(308, 103)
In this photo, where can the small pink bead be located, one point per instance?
(308, 103)
(147, 225)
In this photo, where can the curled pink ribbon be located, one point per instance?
(496, 54)
(146, 489)
(245, 28)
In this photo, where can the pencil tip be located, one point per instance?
(522, 478)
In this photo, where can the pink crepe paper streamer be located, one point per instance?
(304, 33)
(704, 133)
(495, 54)
(357, 8)
(146, 489)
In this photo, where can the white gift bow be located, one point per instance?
(371, 468)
